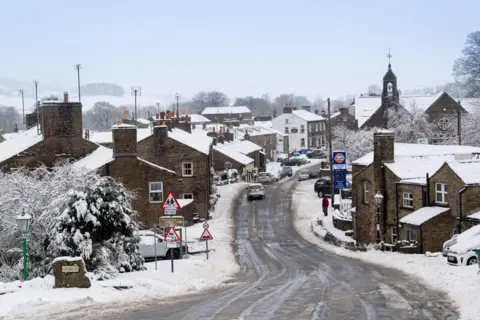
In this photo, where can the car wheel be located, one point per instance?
(320, 194)
(472, 261)
(249, 198)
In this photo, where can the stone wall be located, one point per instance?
(365, 213)
(268, 142)
(436, 231)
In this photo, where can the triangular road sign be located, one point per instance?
(172, 235)
(206, 235)
(170, 202)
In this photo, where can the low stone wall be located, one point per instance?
(342, 224)
(330, 238)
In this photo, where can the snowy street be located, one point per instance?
(284, 276)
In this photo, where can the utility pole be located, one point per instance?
(23, 105)
(177, 97)
(136, 91)
(330, 154)
(77, 67)
(36, 106)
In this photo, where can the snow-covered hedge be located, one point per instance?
(73, 212)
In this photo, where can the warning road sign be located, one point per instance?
(206, 235)
(170, 202)
(172, 235)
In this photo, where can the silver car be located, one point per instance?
(255, 191)
(303, 175)
(265, 177)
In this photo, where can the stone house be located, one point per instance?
(399, 172)
(60, 138)
(246, 148)
(150, 182)
(263, 137)
(239, 161)
(342, 118)
(226, 114)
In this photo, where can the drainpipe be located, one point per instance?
(428, 191)
(421, 239)
(460, 193)
(396, 211)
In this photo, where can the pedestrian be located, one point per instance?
(325, 204)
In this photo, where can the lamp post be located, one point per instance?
(23, 222)
(378, 203)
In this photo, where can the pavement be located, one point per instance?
(285, 277)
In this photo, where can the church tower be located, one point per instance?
(390, 88)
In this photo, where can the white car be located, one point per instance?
(462, 253)
(255, 190)
(303, 175)
(465, 235)
(148, 247)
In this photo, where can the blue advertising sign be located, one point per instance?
(339, 170)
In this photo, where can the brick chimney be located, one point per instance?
(61, 119)
(383, 147)
(287, 109)
(65, 97)
(160, 136)
(306, 108)
(124, 137)
(168, 123)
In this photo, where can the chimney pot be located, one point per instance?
(65, 97)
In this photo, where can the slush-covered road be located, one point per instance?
(285, 277)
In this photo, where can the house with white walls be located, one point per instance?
(305, 129)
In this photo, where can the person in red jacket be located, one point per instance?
(325, 205)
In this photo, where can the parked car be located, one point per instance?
(295, 162)
(462, 253)
(303, 175)
(317, 154)
(287, 172)
(148, 248)
(265, 178)
(255, 191)
(322, 186)
(464, 236)
(314, 174)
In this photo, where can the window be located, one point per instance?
(317, 142)
(317, 126)
(155, 192)
(310, 143)
(187, 169)
(286, 130)
(302, 142)
(286, 121)
(310, 125)
(294, 130)
(408, 200)
(365, 192)
(302, 129)
(441, 192)
(394, 234)
(187, 196)
(411, 235)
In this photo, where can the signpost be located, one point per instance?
(206, 236)
(339, 170)
(172, 239)
(170, 205)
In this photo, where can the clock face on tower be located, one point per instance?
(444, 124)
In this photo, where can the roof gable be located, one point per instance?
(226, 110)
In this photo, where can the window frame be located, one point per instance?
(183, 169)
(188, 193)
(407, 197)
(443, 192)
(286, 121)
(366, 192)
(287, 131)
(294, 130)
(302, 142)
(394, 233)
(150, 192)
(409, 235)
(302, 128)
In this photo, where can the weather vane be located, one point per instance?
(389, 55)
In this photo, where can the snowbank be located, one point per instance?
(275, 167)
(462, 283)
(37, 297)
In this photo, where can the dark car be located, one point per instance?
(292, 163)
(314, 174)
(317, 154)
(287, 172)
(322, 186)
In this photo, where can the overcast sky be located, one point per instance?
(311, 48)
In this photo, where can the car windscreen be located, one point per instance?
(254, 187)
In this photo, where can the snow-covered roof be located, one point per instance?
(468, 171)
(143, 121)
(365, 106)
(336, 114)
(156, 166)
(416, 167)
(18, 142)
(226, 110)
(422, 215)
(124, 126)
(243, 146)
(475, 215)
(197, 142)
(235, 155)
(184, 202)
(266, 124)
(253, 130)
(198, 118)
(411, 150)
(417, 181)
(98, 158)
(307, 116)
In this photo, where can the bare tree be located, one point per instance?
(103, 115)
(374, 90)
(466, 69)
(9, 117)
(211, 99)
(259, 106)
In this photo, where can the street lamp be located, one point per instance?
(378, 203)
(23, 222)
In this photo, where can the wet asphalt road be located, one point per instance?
(285, 277)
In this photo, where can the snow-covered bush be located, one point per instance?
(409, 126)
(43, 193)
(97, 224)
(355, 143)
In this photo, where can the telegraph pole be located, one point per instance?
(459, 123)
(23, 105)
(136, 91)
(37, 111)
(77, 67)
(330, 154)
(177, 97)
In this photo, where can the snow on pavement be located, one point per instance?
(275, 167)
(462, 283)
(36, 298)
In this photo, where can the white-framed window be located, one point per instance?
(310, 126)
(187, 169)
(302, 142)
(317, 144)
(441, 192)
(310, 142)
(411, 235)
(365, 192)
(286, 121)
(187, 196)
(155, 192)
(394, 234)
(408, 200)
(302, 128)
(323, 126)
(294, 130)
(286, 130)
(317, 126)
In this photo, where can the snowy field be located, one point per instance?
(36, 298)
(462, 283)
